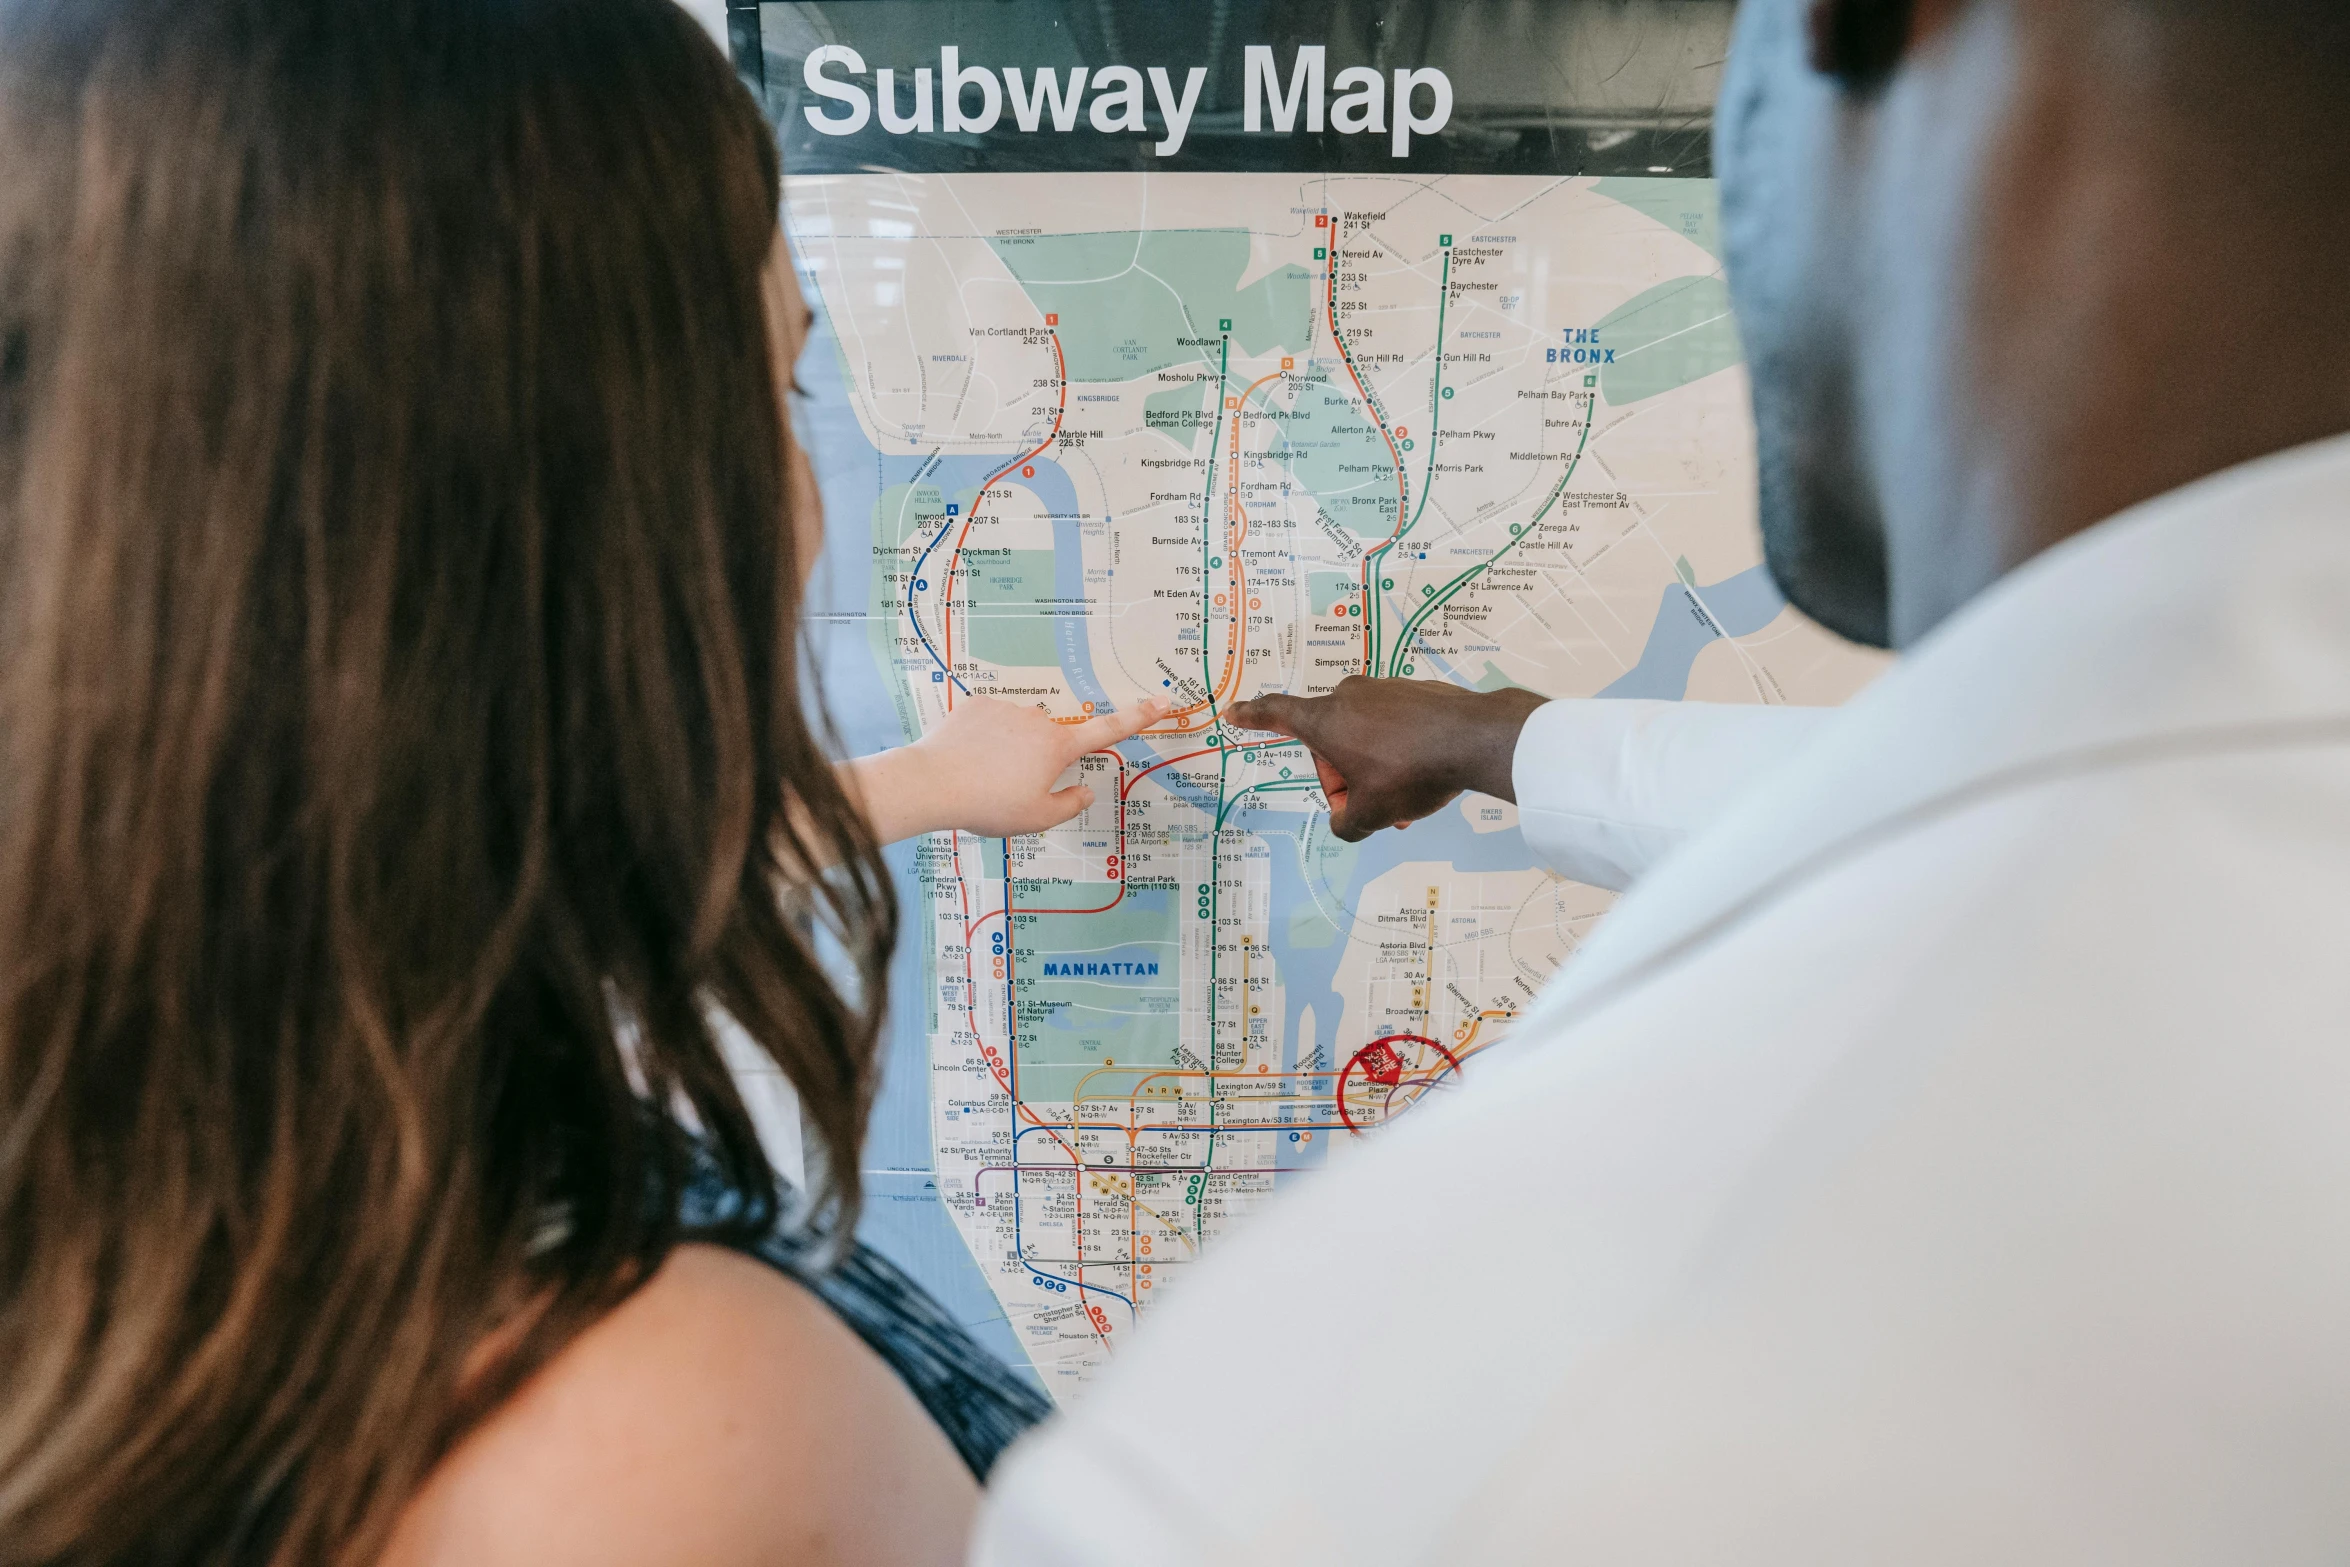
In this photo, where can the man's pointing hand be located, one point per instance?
(1392, 751)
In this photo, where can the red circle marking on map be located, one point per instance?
(1383, 1063)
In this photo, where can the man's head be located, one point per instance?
(2005, 267)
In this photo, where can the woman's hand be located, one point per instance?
(989, 769)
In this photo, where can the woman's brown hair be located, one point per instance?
(401, 740)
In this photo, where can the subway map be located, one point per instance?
(1086, 439)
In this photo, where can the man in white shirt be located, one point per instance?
(1943, 1153)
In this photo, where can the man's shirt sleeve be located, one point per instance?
(1607, 788)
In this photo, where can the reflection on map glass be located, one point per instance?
(1116, 432)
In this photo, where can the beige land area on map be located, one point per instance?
(1202, 436)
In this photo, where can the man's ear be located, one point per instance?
(1858, 42)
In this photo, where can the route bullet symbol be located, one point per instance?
(1052, 319)
(1362, 405)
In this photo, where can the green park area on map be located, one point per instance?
(1202, 437)
(1108, 1007)
(1131, 303)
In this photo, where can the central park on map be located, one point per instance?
(1201, 437)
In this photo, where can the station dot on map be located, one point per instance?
(1205, 267)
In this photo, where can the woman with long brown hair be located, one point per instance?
(403, 779)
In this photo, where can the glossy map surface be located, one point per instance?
(1086, 438)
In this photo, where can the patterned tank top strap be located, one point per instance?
(979, 1402)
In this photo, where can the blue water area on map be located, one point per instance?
(1309, 973)
(904, 1219)
(1310, 876)
(959, 478)
(1736, 606)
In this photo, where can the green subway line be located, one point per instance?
(1207, 531)
(1437, 600)
(1370, 607)
(1224, 808)
(1207, 1163)
(1375, 602)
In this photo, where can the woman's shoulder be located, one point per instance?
(720, 1414)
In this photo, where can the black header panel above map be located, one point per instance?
(1540, 87)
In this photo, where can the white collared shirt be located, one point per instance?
(1942, 1156)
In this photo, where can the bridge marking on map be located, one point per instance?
(1220, 744)
(1107, 1154)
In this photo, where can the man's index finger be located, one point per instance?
(1280, 712)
